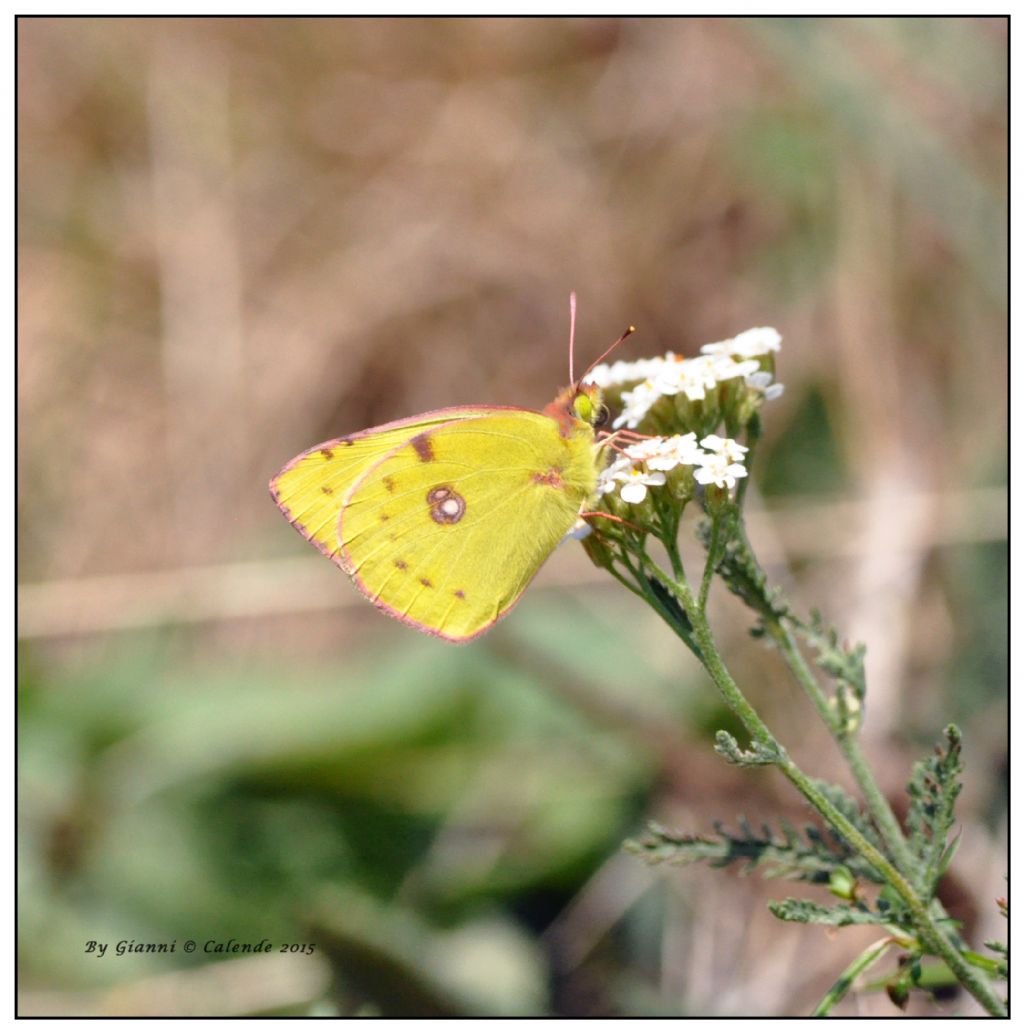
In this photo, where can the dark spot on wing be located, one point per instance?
(459, 594)
(389, 483)
(327, 453)
(446, 506)
(326, 489)
(425, 582)
(401, 564)
(424, 449)
(384, 517)
(344, 442)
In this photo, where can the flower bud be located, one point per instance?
(716, 500)
(731, 394)
(686, 414)
(681, 485)
(842, 884)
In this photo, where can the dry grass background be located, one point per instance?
(238, 237)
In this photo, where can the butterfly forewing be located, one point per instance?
(447, 529)
(310, 490)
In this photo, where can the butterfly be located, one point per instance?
(442, 519)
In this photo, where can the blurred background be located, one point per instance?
(239, 237)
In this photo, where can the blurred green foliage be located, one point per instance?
(442, 789)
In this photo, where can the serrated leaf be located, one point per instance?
(842, 662)
(949, 853)
(807, 911)
(812, 857)
(758, 755)
(933, 788)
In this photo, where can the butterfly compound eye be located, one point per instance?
(584, 408)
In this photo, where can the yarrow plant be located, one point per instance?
(685, 432)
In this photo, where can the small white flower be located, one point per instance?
(610, 477)
(730, 450)
(636, 404)
(761, 340)
(622, 372)
(748, 345)
(682, 449)
(716, 469)
(600, 375)
(671, 374)
(762, 382)
(692, 377)
(608, 376)
(666, 453)
(727, 368)
(643, 450)
(637, 481)
(718, 349)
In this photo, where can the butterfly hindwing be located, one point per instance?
(446, 530)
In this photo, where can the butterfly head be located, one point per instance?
(588, 405)
(578, 404)
(581, 405)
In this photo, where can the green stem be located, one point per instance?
(860, 964)
(710, 563)
(675, 559)
(794, 658)
(878, 805)
(930, 934)
(670, 537)
(757, 729)
(753, 436)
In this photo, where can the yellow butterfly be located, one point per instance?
(442, 519)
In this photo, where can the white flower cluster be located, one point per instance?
(748, 345)
(672, 374)
(721, 464)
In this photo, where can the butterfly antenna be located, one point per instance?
(601, 358)
(572, 331)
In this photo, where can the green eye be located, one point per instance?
(584, 408)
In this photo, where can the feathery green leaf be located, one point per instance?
(934, 786)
